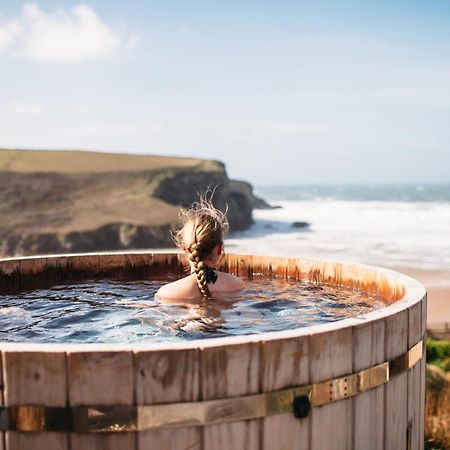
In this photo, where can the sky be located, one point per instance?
(283, 92)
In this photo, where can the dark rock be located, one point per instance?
(118, 236)
(183, 188)
(301, 225)
(260, 203)
(107, 237)
(234, 197)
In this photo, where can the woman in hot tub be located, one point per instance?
(201, 238)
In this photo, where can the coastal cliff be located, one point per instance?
(77, 201)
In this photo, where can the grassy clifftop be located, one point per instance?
(60, 201)
(76, 161)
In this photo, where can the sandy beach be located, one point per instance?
(437, 284)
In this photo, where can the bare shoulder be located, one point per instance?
(229, 282)
(183, 290)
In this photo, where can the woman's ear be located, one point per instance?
(220, 252)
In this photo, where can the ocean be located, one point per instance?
(385, 225)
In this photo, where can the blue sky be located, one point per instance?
(282, 92)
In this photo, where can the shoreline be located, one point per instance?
(437, 284)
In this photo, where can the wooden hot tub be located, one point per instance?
(357, 383)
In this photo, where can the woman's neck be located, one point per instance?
(208, 263)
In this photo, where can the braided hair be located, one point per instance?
(204, 227)
(199, 269)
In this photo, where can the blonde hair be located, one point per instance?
(204, 226)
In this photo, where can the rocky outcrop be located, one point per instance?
(107, 237)
(234, 197)
(116, 202)
(301, 225)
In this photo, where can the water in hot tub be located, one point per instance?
(126, 311)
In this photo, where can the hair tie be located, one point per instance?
(210, 274)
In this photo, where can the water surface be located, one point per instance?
(126, 312)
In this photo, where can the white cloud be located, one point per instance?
(62, 36)
(8, 34)
(25, 108)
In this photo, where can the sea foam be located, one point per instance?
(386, 233)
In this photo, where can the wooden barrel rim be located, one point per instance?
(414, 293)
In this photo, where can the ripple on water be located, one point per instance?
(112, 311)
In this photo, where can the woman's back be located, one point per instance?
(186, 289)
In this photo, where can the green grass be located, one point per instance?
(432, 446)
(78, 161)
(438, 354)
(429, 445)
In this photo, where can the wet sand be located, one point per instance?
(437, 284)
